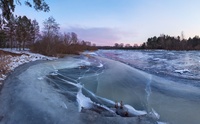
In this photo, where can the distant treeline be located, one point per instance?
(165, 42)
(172, 43)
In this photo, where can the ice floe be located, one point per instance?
(182, 71)
(133, 111)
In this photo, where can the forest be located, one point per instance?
(20, 32)
(172, 43)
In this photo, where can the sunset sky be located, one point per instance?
(105, 22)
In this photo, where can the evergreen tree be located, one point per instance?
(23, 31)
(34, 31)
(8, 6)
(2, 39)
(11, 30)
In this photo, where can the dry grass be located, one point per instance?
(4, 68)
(9, 53)
(4, 62)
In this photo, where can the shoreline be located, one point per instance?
(58, 82)
(11, 59)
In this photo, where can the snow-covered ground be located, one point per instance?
(24, 57)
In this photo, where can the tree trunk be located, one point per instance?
(11, 43)
(23, 44)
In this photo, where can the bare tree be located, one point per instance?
(11, 30)
(182, 35)
(74, 38)
(51, 27)
(67, 39)
(121, 45)
(50, 34)
(116, 45)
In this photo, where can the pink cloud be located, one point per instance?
(99, 36)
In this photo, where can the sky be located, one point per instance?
(106, 22)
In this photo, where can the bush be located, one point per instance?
(55, 47)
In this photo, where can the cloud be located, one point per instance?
(98, 35)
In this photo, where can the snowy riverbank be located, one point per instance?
(10, 61)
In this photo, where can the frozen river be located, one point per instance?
(154, 86)
(174, 75)
(177, 64)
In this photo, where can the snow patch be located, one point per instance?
(134, 111)
(25, 58)
(170, 53)
(89, 53)
(2, 77)
(100, 65)
(161, 122)
(182, 71)
(21, 59)
(85, 63)
(55, 72)
(83, 101)
(40, 78)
